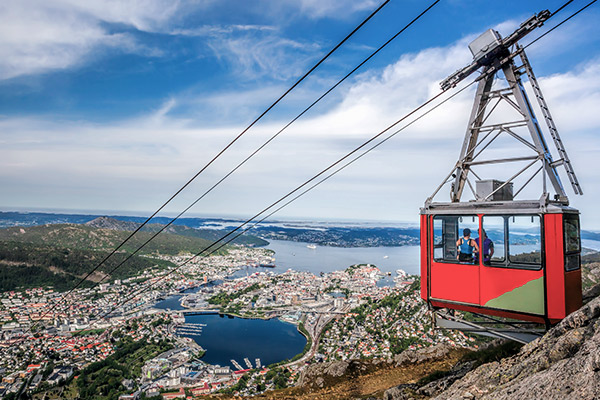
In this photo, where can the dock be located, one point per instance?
(236, 365)
(189, 329)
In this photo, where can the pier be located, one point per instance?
(189, 329)
(235, 364)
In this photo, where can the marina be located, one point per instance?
(229, 339)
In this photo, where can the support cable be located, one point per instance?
(561, 22)
(339, 161)
(273, 137)
(206, 252)
(329, 168)
(415, 19)
(218, 155)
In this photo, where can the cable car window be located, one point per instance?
(493, 249)
(524, 240)
(572, 242)
(447, 231)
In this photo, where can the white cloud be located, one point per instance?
(263, 54)
(334, 8)
(580, 89)
(143, 15)
(40, 36)
(135, 164)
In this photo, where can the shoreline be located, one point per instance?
(286, 361)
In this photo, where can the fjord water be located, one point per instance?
(226, 338)
(297, 256)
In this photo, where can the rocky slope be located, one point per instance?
(565, 363)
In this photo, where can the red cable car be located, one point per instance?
(532, 274)
(495, 254)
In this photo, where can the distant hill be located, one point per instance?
(59, 255)
(322, 233)
(26, 265)
(111, 223)
(90, 238)
(207, 234)
(343, 236)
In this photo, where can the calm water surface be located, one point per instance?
(227, 338)
(273, 341)
(297, 256)
(591, 244)
(171, 303)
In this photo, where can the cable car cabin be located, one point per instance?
(527, 267)
(528, 264)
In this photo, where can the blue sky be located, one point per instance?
(113, 105)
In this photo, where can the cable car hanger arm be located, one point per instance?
(487, 55)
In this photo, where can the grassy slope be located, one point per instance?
(59, 255)
(24, 265)
(88, 238)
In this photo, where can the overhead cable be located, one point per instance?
(164, 227)
(289, 197)
(201, 253)
(274, 136)
(218, 155)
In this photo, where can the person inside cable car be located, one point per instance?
(467, 247)
(487, 249)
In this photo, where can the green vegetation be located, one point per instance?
(161, 321)
(591, 258)
(25, 265)
(307, 346)
(84, 237)
(337, 288)
(102, 380)
(24, 276)
(224, 299)
(590, 267)
(241, 385)
(279, 377)
(493, 353)
(208, 234)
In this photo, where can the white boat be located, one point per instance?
(311, 246)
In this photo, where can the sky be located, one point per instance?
(111, 106)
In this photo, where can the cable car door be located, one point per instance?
(452, 279)
(512, 277)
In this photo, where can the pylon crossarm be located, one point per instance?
(503, 160)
